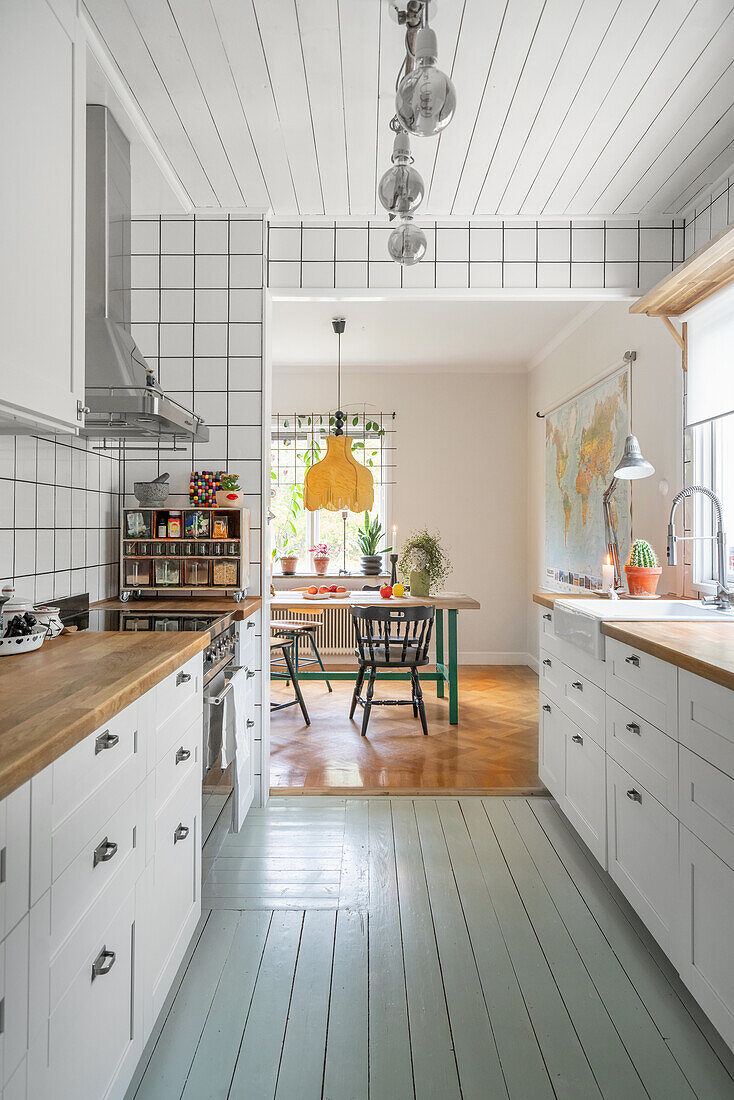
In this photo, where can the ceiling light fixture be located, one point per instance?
(407, 243)
(426, 98)
(401, 189)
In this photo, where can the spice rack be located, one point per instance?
(184, 550)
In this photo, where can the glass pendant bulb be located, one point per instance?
(426, 98)
(407, 243)
(401, 189)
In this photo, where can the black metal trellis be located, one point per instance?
(298, 441)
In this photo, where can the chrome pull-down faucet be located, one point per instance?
(722, 599)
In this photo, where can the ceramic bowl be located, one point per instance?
(12, 647)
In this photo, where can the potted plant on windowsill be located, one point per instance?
(424, 563)
(642, 570)
(288, 560)
(368, 537)
(230, 495)
(321, 557)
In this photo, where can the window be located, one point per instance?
(298, 441)
(713, 465)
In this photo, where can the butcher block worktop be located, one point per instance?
(706, 649)
(54, 697)
(202, 605)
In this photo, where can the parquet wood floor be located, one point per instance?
(494, 748)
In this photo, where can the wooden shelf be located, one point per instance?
(703, 274)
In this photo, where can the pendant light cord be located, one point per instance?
(339, 373)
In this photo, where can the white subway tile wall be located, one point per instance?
(59, 517)
(619, 253)
(197, 301)
(712, 213)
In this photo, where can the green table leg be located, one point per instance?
(439, 651)
(453, 670)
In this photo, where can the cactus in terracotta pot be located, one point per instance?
(642, 569)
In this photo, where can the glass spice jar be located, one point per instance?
(174, 525)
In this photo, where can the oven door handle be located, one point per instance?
(217, 700)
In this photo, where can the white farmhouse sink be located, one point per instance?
(578, 621)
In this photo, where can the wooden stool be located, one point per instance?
(284, 644)
(298, 632)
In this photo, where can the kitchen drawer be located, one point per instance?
(575, 658)
(706, 804)
(584, 796)
(183, 756)
(551, 747)
(643, 852)
(583, 702)
(704, 955)
(175, 893)
(15, 855)
(14, 1000)
(178, 688)
(650, 756)
(643, 683)
(552, 674)
(707, 720)
(93, 1037)
(92, 763)
(546, 625)
(103, 860)
(170, 731)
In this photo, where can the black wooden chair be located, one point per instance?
(391, 637)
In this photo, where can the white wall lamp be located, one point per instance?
(631, 467)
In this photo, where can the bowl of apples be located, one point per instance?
(325, 592)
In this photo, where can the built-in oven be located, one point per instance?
(217, 782)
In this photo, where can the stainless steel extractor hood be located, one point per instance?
(122, 394)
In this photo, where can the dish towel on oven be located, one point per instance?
(233, 719)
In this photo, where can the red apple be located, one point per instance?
(313, 590)
(332, 588)
(386, 591)
(324, 588)
(340, 589)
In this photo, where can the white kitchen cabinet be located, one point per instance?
(42, 192)
(707, 804)
(13, 1000)
(15, 841)
(644, 751)
(551, 748)
(584, 797)
(643, 852)
(704, 954)
(707, 720)
(645, 684)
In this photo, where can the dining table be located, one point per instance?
(446, 640)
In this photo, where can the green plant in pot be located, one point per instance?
(288, 554)
(642, 569)
(369, 536)
(424, 563)
(229, 495)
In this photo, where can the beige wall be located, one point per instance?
(657, 388)
(461, 470)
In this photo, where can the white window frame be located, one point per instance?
(708, 470)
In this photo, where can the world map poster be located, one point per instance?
(584, 441)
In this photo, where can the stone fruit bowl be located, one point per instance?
(152, 493)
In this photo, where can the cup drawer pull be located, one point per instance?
(546, 708)
(103, 963)
(105, 740)
(250, 625)
(578, 739)
(180, 833)
(182, 678)
(633, 659)
(104, 851)
(577, 685)
(548, 663)
(634, 795)
(182, 754)
(632, 727)
(250, 723)
(249, 673)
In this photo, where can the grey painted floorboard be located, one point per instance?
(473, 949)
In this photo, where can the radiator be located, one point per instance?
(336, 636)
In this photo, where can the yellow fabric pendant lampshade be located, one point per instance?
(339, 481)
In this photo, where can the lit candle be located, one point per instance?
(394, 538)
(607, 574)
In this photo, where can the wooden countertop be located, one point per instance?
(220, 606)
(54, 697)
(446, 601)
(706, 649)
(547, 598)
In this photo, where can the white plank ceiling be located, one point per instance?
(565, 107)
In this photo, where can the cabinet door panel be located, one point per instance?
(643, 852)
(645, 684)
(648, 754)
(707, 720)
(551, 748)
(707, 804)
(584, 800)
(705, 957)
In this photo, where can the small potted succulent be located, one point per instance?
(321, 557)
(369, 537)
(288, 559)
(424, 562)
(642, 570)
(230, 494)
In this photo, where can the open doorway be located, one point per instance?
(436, 395)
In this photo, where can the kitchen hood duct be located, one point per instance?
(122, 394)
